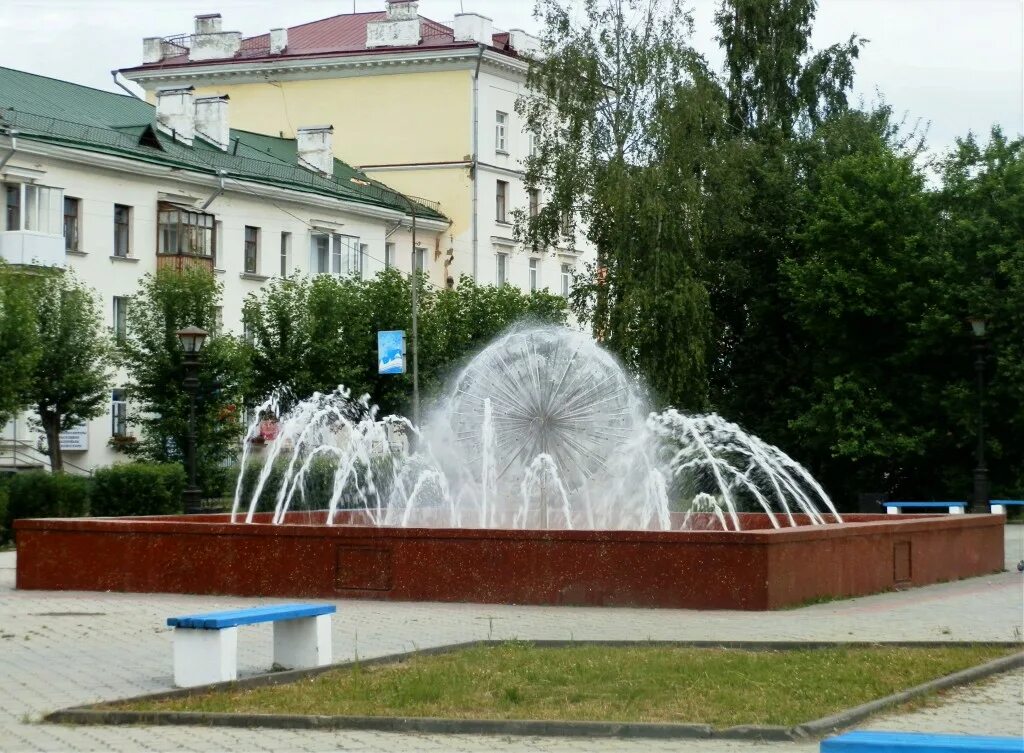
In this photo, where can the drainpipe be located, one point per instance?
(476, 165)
(113, 75)
(14, 147)
(221, 174)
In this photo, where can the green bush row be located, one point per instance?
(125, 489)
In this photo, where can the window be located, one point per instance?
(286, 253)
(364, 252)
(71, 223)
(501, 132)
(13, 204)
(534, 144)
(389, 256)
(502, 273)
(120, 318)
(534, 202)
(501, 202)
(252, 249)
(34, 208)
(566, 223)
(335, 254)
(534, 275)
(118, 414)
(122, 230)
(421, 259)
(320, 264)
(183, 232)
(566, 280)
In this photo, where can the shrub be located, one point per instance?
(38, 494)
(138, 489)
(4, 533)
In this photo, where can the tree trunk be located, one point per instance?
(51, 427)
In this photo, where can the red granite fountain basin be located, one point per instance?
(758, 568)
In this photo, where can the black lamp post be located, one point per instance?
(979, 504)
(192, 339)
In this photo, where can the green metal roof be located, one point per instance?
(59, 112)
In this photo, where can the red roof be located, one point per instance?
(341, 34)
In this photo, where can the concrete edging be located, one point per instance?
(90, 714)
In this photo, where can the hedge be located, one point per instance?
(39, 494)
(138, 489)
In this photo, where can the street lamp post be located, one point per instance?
(979, 503)
(192, 339)
(413, 280)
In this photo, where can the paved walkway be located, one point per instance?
(59, 649)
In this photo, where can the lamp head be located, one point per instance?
(192, 339)
(978, 324)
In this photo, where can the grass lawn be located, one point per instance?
(721, 687)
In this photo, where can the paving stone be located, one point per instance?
(59, 649)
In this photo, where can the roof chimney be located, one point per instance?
(210, 43)
(316, 148)
(209, 23)
(400, 27)
(472, 27)
(176, 113)
(212, 120)
(278, 41)
(523, 43)
(152, 50)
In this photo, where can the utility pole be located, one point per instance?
(415, 280)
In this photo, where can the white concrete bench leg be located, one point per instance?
(303, 643)
(956, 510)
(999, 509)
(892, 510)
(202, 657)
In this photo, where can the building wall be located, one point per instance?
(418, 118)
(98, 189)
(382, 119)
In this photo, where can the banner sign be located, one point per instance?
(75, 439)
(391, 352)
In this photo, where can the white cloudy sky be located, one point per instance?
(956, 64)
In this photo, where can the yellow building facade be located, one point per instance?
(425, 108)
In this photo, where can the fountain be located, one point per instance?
(541, 477)
(542, 430)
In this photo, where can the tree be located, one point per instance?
(19, 341)
(71, 378)
(166, 302)
(622, 110)
(858, 286)
(779, 92)
(315, 334)
(980, 219)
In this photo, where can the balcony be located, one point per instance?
(28, 248)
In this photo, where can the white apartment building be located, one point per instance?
(114, 188)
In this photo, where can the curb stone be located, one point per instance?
(95, 714)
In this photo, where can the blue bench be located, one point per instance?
(998, 506)
(206, 645)
(895, 508)
(916, 742)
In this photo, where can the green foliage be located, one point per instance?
(770, 253)
(71, 379)
(4, 531)
(39, 494)
(980, 228)
(165, 303)
(138, 489)
(310, 335)
(19, 340)
(620, 109)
